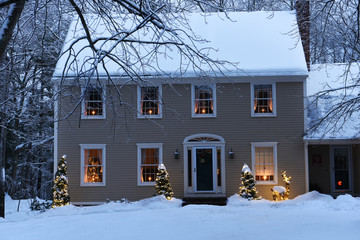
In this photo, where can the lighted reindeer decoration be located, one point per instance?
(280, 192)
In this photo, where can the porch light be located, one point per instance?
(231, 154)
(176, 154)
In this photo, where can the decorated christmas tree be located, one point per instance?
(162, 184)
(60, 190)
(247, 188)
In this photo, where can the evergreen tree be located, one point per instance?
(247, 188)
(162, 184)
(60, 190)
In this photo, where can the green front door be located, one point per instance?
(204, 169)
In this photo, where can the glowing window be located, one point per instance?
(93, 104)
(149, 158)
(204, 104)
(264, 162)
(263, 102)
(149, 102)
(92, 164)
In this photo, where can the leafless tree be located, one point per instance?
(335, 34)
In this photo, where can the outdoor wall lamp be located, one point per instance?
(231, 154)
(176, 154)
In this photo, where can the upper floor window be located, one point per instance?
(92, 164)
(204, 101)
(264, 159)
(263, 100)
(149, 159)
(93, 104)
(149, 104)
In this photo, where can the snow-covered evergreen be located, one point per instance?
(247, 188)
(162, 185)
(60, 190)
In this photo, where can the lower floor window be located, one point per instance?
(264, 158)
(149, 159)
(93, 164)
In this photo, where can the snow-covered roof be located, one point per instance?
(260, 43)
(328, 86)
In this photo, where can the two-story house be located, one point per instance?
(203, 128)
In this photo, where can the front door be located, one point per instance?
(204, 169)
(341, 168)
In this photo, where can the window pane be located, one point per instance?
(148, 173)
(203, 100)
(150, 156)
(218, 170)
(150, 100)
(263, 100)
(264, 163)
(93, 102)
(93, 166)
(189, 167)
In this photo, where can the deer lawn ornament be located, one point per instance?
(280, 192)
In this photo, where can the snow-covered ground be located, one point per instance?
(307, 217)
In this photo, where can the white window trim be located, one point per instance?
(82, 159)
(142, 146)
(273, 114)
(265, 144)
(139, 115)
(83, 116)
(193, 114)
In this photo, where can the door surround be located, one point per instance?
(199, 141)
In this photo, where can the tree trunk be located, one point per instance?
(9, 24)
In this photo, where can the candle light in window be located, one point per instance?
(263, 110)
(339, 183)
(150, 111)
(203, 110)
(93, 112)
(264, 178)
(149, 178)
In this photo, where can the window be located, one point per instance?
(93, 164)
(93, 104)
(149, 158)
(264, 162)
(263, 100)
(149, 104)
(204, 101)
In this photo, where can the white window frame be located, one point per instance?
(141, 146)
(252, 90)
(84, 147)
(193, 114)
(83, 110)
(139, 115)
(265, 144)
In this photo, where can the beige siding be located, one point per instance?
(122, 130)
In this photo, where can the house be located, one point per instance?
(203, 127)
(334, 145)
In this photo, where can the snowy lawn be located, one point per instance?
(310, 216)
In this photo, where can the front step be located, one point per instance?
(219, 201)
